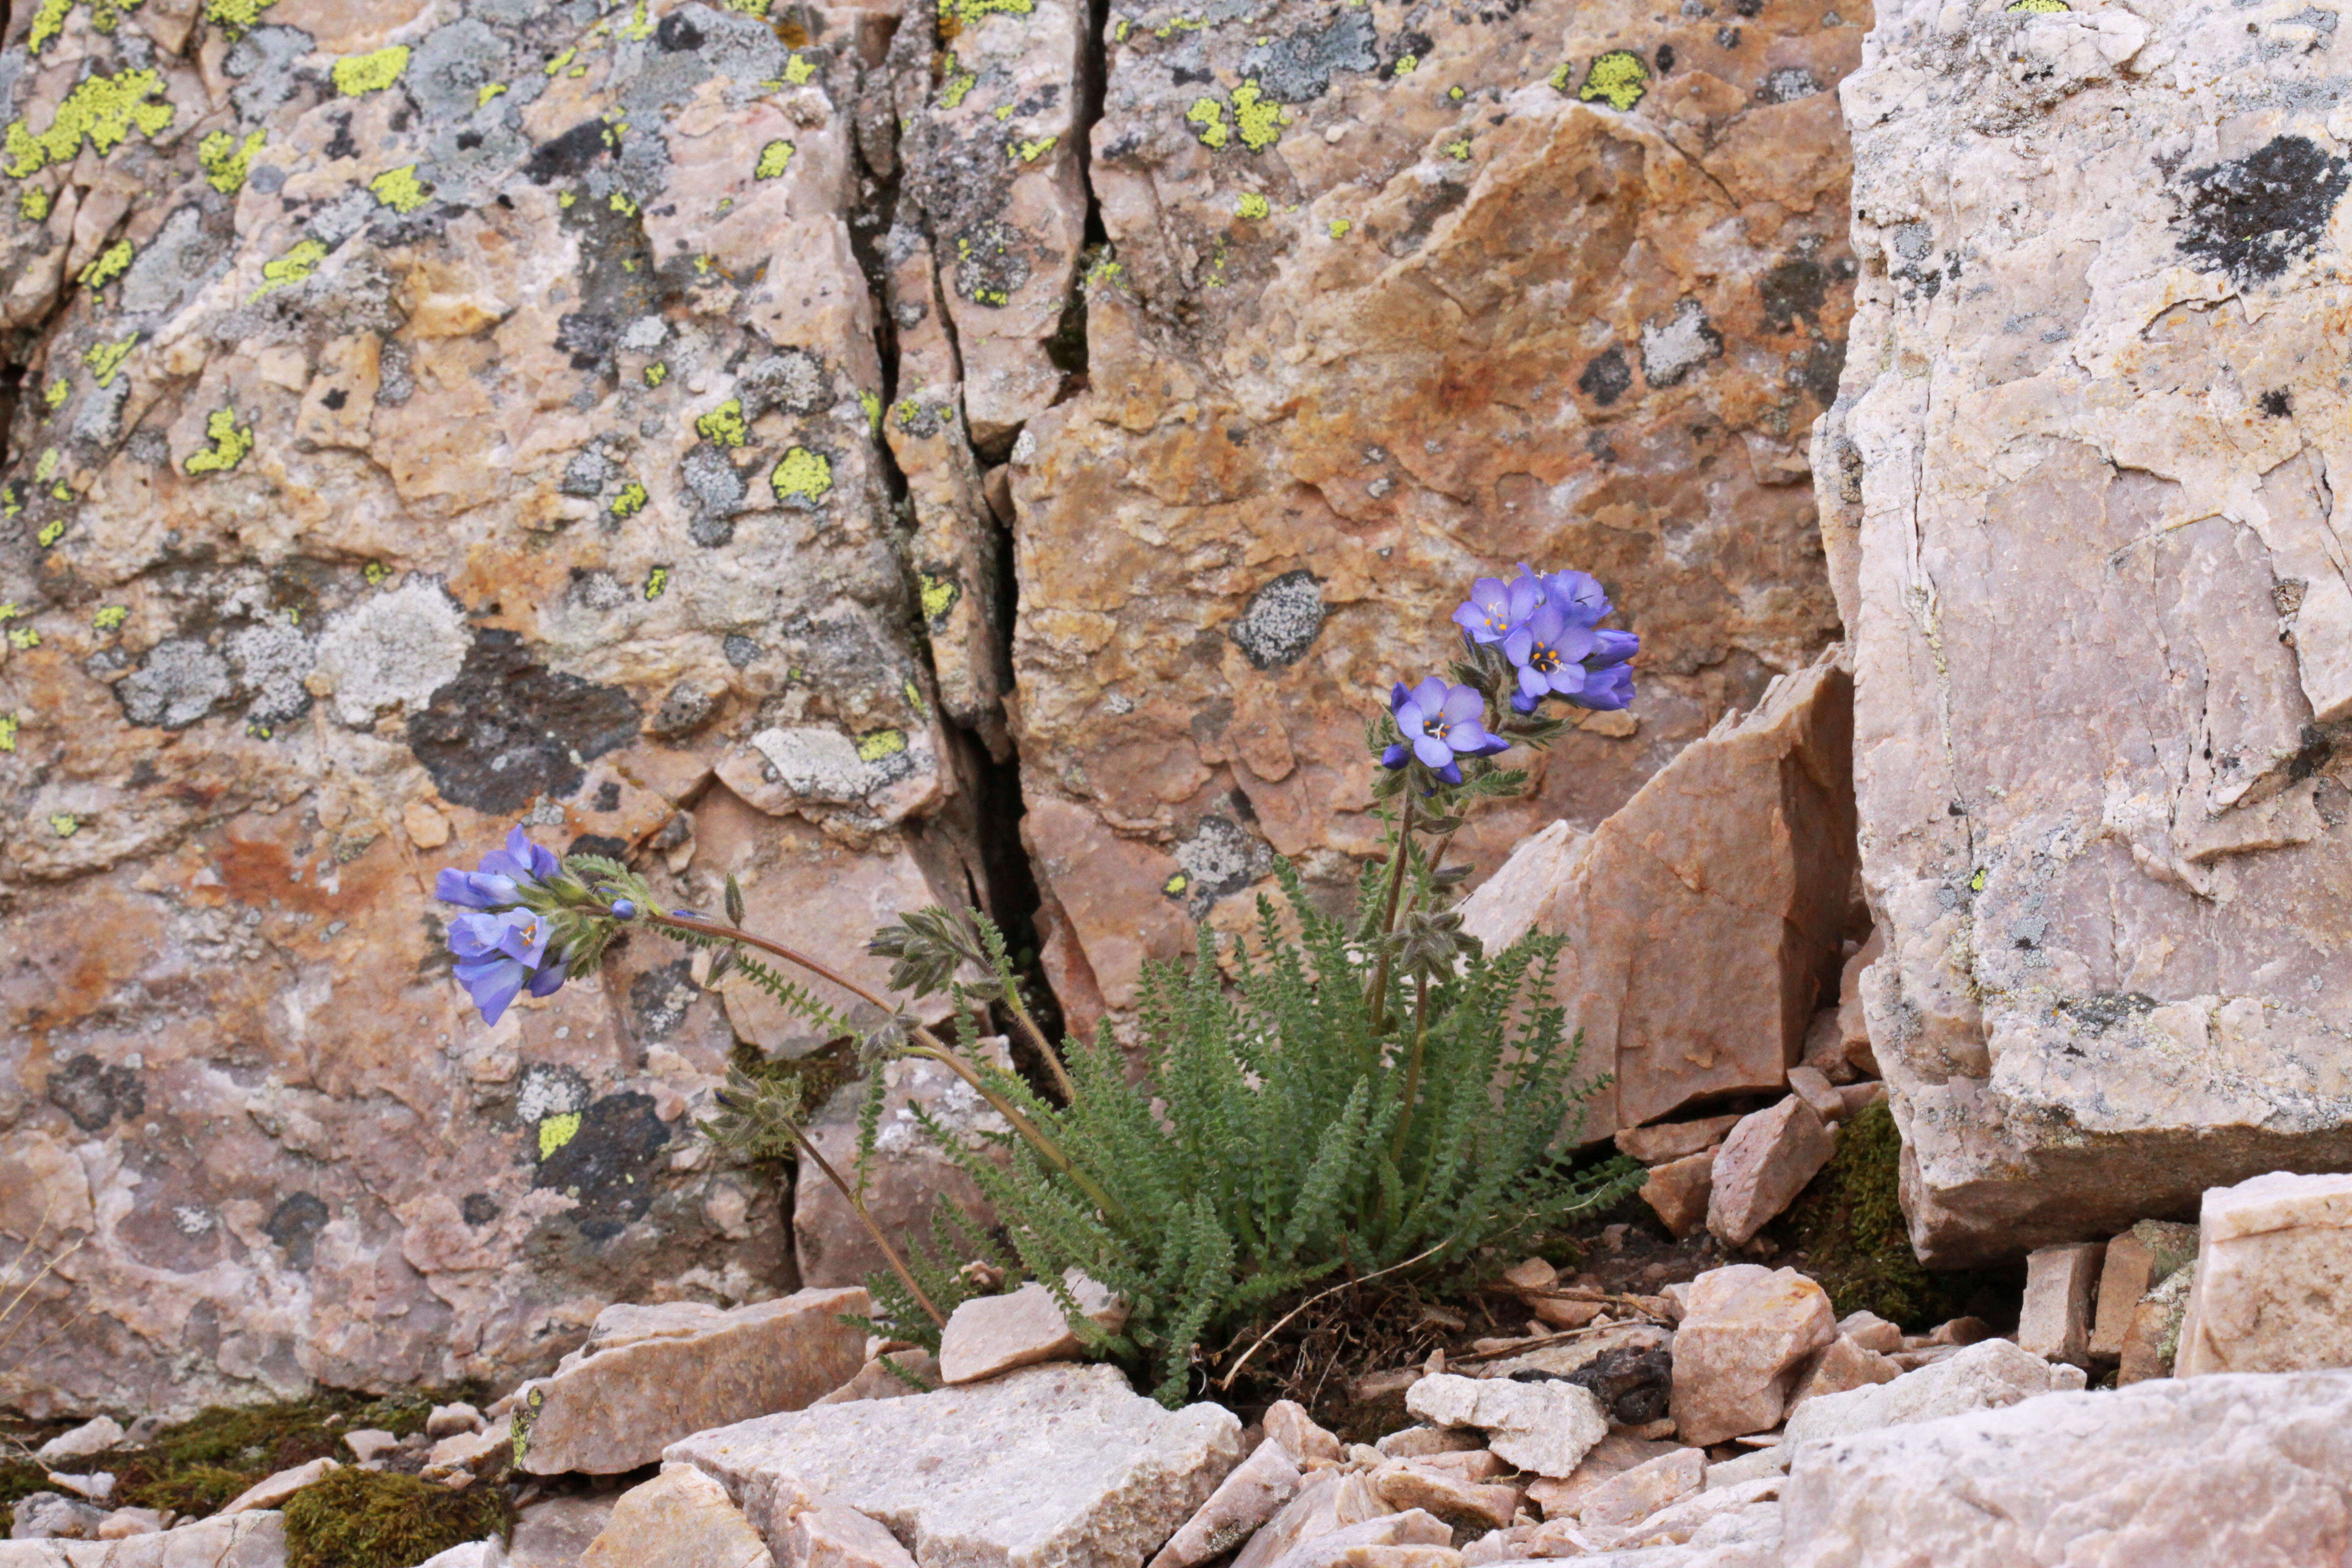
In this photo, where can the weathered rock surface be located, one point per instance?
(1255, 1491)
(1644, 1489)
(2136, 1262)
(1546, 1428)
(680, 1519)
(2054, 1323)
(1043, 1466)
(1678, 1192)
(1731, 862)
(2220, 1472)
(1743, 1340)
(650, 1375)
(989, 1334)
(1328, 1501)
(244, 1541)
(2274, 1280)
(1762, 1166)
(2080, 408)
(1345, 354)
(1984, 1376)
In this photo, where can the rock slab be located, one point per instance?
(1762, 1166)
(989, 1334)
(1545, 1427)
(1043, 1467)
(1745, 1336)
(2273, 1290)
(680, 1519)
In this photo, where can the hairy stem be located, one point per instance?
(1412, 1069)
(1037, 1037)
(890, 1253)
(1377, 1002)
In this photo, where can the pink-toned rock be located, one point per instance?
(888, 1377)
(1543, 1427)
(1663, 1142)
(2054, 1323)
(1743, 1340)
(1678, 1192)
(1453, 1495)
(1646, 1489)
(273, 1492)
(1327, 1501)
(1871, 1331)
(1413, 1539)
(1247, 1498)
(1762, 1166)
(1611, 1457)
(1840, 1365)
(833, 1535)
(1287, 1422)
(1809, 1084)
(2273, 1287)
(1419, 1442)
(989, 1334)
(682, 1519)
(1856, 1097)
(2136, 1262)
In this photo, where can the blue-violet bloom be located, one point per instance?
(1494, 608)
(500, 955)
(1549, 651)
(1440, 723)
(1578, 594)
(1607, 689)
(498, 882)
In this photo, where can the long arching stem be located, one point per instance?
(890, 1253)
(1379, 1000)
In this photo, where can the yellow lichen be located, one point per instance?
(45, 469)
(631, 500)
(1407, 64)
(1029, 151)
(758, 8)
(358, 74)
(104, 110)
(110, 617)
(798, 69)
(489, 91)
(230, 443)
(1004, 112)
(801, 474)
(59, 391)
(110, 264)
(1454, 93)
(957, 15)
(400, 189)
(1209, 115)
(656, 581)
(33, 205)
(9, 727)
(774, 158)
(1618, 79)
(64, 823)
(1176, 883)
(566, 199)
(1339, 227)
(105, 359)
(23, 638)
(958, 83)
(872, 403)
(375, 573)
(1252, 205)
(1459, 151)
(556, 1131)
(560, 61)
(1259, 122)
(226, 161)
(881, 743)
(2036, 7)
(939, 595)
(294, 266)
(724, 425)
(639, 26)
(622, 203)
(52, 531)
(235, 17)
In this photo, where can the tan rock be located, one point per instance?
(2136, 1261)
(1678, 1522)
(1420, 1442)
(1327, 1501)
(1533, 1273)
(2056, 1321)
(1983, 1376)
(274, 1491)
(1563, 1312)
(1413, 1539)
(125, 1522)
(1250, 1495)
(467, 1452)
(1458, 1500)
(1840, 1365)
(1560, 1498)
(832, 1536)
(450, 1420)
(1678, 1192)
(1287, 1422)
(1762, 1166)
(680, 1519)
(2272, 1288)
(1543, 1427)
(1646, 1489)
(1743, 1340)
(1857, 1097)
(426, 828)
(989, 1334)
(2152, 1344)
(369, 1445)
(1811, 1086)
(650, 1375)
(887, 1376)
(1871, 1331)
(1663, 1143)
(555, 1531)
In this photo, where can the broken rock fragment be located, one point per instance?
(2056, 1321)
(1762, 1166)
(680, 1519)
(989, 1334)
(1545, 1427)
(1745, 1334)
(1246, 1499)
(2272, 1287)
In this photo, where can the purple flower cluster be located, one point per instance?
(1547, 627)
(503, 949)
(1440, 723)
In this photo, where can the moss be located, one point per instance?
(371, 1519)
(1849, 1225)
(199, 1465)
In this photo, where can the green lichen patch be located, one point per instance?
(630, 501)
(656, 373)
(2036, 7)
(102, 109)
(959, 82)
(872, 403)
(1258, 120)
(357, 75)
(401, 190)
(64, 823)
(109, 617)
(230, 443)
(657, 581)
(489, 91)
(881, 743)
(939, 596)
(295, 267)
(1406, 65)
(8, 1477)
(49, 20)
(724, 425)
(955, 15)
(33, 206)
(105, 359)
(1207, 118)
(1252, 205)
(226, 161)
(373, 1519)
(1618, 79)
(54, 398)
(775, 159)
(798, 69)
(235, 17)
(1459, 151)
(1029, 151)
(801, 475)
(110, 264)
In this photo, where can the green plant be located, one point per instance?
(1849, 1223)
(352, 1518)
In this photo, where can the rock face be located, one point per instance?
(2274, 1277)
(1044, 1466)
(1345, 353)
(2221, 1472)
(2106, 858)
(650, 1375)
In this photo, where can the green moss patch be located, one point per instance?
(369, 1518)
(198, 1465)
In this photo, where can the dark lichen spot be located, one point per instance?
(1298, 67)
(1665, 59)
(1634, 1384)
(335, 399)
(687, 708)
(569, 155)
(677, 33)
(604, 846)
(342, 145)
(658, 999)
(1606, 378)
(1217, 858)
(2316, 750)
(587, 336)
(295, 1225)
(2274, 404)
(2251, 218)
(740, 650)
(1422, 212)
(2103, 1010)
(608, 796)
(1282, 620)
(478, 1209)
(507, 731)
(1796, 287)
(94, 1094)
(607, 1164)
(1817, 370)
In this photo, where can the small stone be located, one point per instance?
(2136, 1262)
(989, 1334)
(878, 1380)
(1856, 1097)
(1327, 1501)
(1677, 1523)
(1415, 1442)
(1533, 1273)
(1414, 1538)
(98, 1486)
(1250, 1495)
(125, 1522)
(1812, 1086)
(1661, 1142)
(2151, 1343)
(369, 1445)
(1287, 1422)
(449, 1420)
(1611, 1457)
(680, 1519)
(1841, 1366)
(269, 1492)
(426, 828)
(1771, 1461)
(486, 1554)
(1646, 1489)
(828, 1536)
(1960, 1331)
(93, 1436)
(1745, 1335)
(1762, 1166)
(1677, 1193)
(2274, 1280)
(2056, 1321)
(466, 1453)
(1561, 1312)
(1544, 1427)
(53, 1516)
(1871, 1331)
(1458, 1500)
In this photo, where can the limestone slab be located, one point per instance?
(1545, 1427)
(1984, 1376)
(989, 1334)
(1761, 1167)
(2055, 1322)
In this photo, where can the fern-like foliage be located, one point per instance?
(1279, 1136)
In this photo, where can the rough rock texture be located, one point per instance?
(1646, 1489)
(2222, 1472)
(2137, 1261)
(1744, 1338)
(1347, 351)
(2274, 1280)
(1545, 1429)
(650, 1375)
(1678, 1192)
(1248, 1496)
(2078, 491)
(439, 414)
(1984, 1376)
(1733, 861)
(246, 1540)
(2054, 1323)
(989, 1334)
(1762, 1166)
(1044, 1466)
(1328, 1501)
(680, 1519)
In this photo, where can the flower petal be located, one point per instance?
(1430, 695)
(1432, 750)
(1533, 683)
(1396, 755)
(1451, 772)
(549, 979)
(1613, 647)
(1527, 596)
(1398, 697)
(1463, 705)
(1518, 645)
(1410, 716)
(1467, 735)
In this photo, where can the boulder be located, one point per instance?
(650, 1375)
(2136, 1262)
(1680, 1522)
(1983, 1376)
(1543, 1427)
(1041, 1465)
(1419, 1442)
(1252, 1494)
(2054, 1323)
(2227, 1471)
(680, 1519)
(1745, 1335)
(2109, 884)
(2274, 1280)
(1679, 1191)
(989, 1334)
(1762, 1166)
(243, 1540)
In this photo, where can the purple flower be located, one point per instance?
(623, 910)
(1492, 608)
(498, 882)
(1608, 688)
(1440, 723)
(1579, 593)
(1609, 647)
(1549, 651)
(500, 954)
